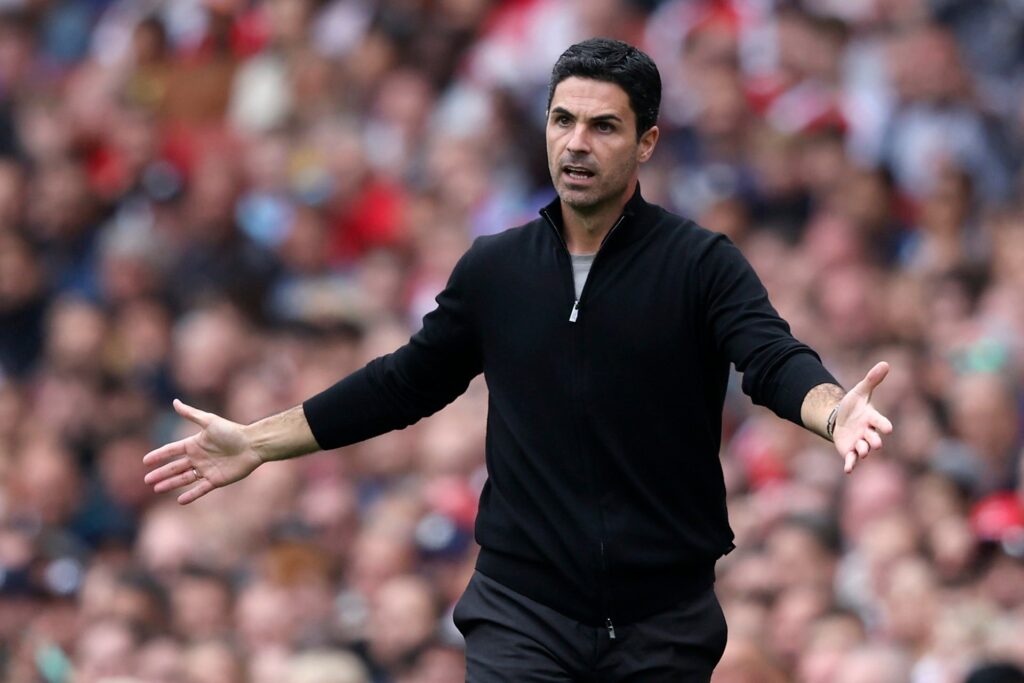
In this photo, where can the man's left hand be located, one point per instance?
(859, 426)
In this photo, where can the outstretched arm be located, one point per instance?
(390, 392)
(858, 425)
(223, 452)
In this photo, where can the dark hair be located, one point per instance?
(604, 59)
(996, 673)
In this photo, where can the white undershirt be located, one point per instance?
(581, 264)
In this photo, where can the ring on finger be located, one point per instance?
(195, 473)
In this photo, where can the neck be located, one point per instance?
(586, 230)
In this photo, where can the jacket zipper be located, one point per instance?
(574, 312)
(573, 317)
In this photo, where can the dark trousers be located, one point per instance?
(513, 639)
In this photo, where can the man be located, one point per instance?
(605, 330)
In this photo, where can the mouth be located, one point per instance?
(577, 172)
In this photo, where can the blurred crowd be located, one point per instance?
(237, 202)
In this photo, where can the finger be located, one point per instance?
(881, 423)
(851, 461)
(184, 479)
(872, 379)
(873, 439)
(200, 417)
(165, 452)
(178, 466)
(862, 448)
(198, 491)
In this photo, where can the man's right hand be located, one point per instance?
(220, 454)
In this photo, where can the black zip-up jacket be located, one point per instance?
(605, 497)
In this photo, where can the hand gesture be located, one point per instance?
(218, 455)
(859, 426)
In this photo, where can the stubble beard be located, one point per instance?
(581, 200)
(611, 183)
(589, 200)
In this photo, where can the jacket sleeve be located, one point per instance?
(778, 370)
(417, 380)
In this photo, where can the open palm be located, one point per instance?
(859, 426)
(218, 455)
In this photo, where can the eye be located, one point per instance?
(562, 120)
(604, 127)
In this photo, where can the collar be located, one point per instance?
(636, 208)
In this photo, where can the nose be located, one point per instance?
(579, 141)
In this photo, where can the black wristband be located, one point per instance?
(830, 425)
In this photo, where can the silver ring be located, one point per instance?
(195, 473)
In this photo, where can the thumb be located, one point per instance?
(201, 418)
(872, 379)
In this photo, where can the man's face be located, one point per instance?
(593, 151)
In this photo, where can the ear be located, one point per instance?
(648, 141)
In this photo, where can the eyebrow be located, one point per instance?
(598, 118)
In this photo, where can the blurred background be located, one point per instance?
(237, 202)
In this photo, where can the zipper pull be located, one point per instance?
(611, 628)
(575, 313)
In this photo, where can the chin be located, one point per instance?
(579, 199)
(580, 205)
